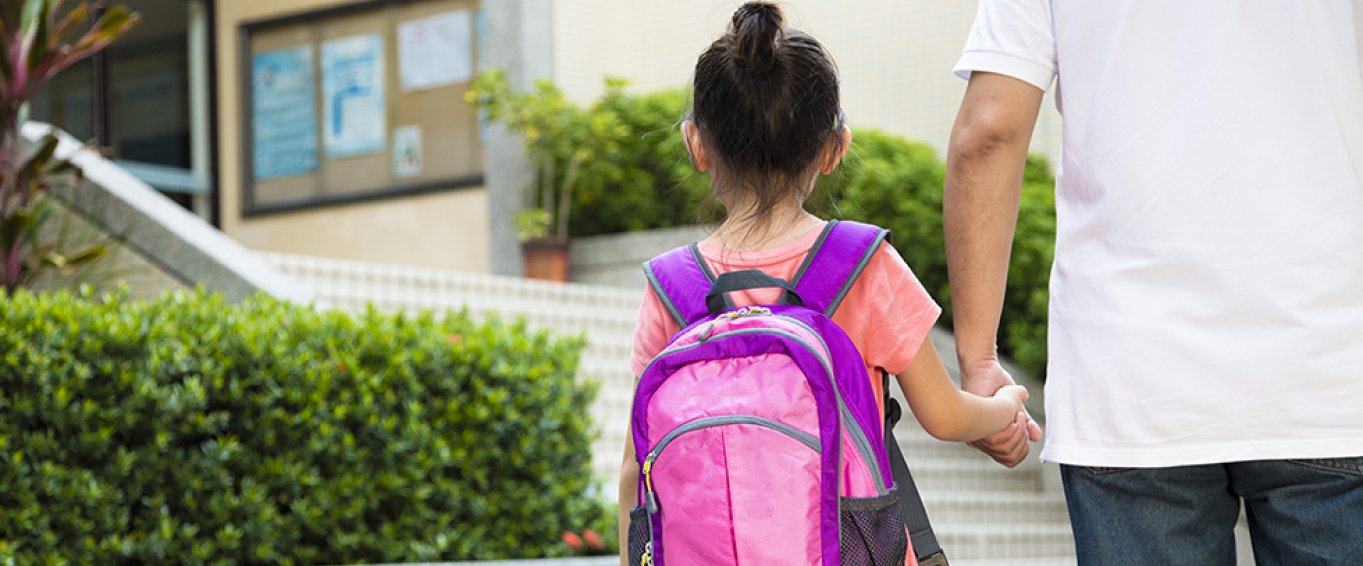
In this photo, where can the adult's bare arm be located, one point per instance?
(985, 162)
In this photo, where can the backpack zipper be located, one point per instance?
(859, 440)
(651, 500)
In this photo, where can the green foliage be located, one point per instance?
(188, 430)
(616, 165)
(648, 182)
(35, 45)
(1027, 303)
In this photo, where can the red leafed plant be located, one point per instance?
(587, 544)
(38, 39)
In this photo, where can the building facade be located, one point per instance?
(338, 128)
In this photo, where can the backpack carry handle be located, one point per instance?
(747, 279)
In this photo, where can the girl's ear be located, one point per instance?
(695, 148)
(836, 149)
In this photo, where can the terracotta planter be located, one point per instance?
(546, 259)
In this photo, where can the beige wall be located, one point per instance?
(444, 229)
(895, 56)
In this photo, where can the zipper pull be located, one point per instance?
(650, 502)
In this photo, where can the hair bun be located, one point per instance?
(755, 30)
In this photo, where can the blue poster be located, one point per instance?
(284, 113)
(353, 111)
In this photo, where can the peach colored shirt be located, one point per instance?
(887, 313)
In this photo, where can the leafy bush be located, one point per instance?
(647, 182)
(188, 430)
(619, 163)
(1022, 332)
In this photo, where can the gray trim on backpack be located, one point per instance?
(859, 439)
(662, 295)
(863, 444)
(694, 247)
(875, 503)
(813, 251)
(856, 272)
(796, 434)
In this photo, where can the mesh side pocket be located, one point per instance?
(638, 535)
(872, 531)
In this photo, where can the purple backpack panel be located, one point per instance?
(757, 430)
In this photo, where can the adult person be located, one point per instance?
(1206, 316)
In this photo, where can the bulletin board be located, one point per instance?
(359, 102)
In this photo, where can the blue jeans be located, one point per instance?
(1300, 512)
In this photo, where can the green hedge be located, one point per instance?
(646, 180)
(189, 430)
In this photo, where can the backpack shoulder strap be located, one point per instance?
(832, 266)
(681, 279)
(921, 535)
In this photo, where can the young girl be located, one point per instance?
(765, 122)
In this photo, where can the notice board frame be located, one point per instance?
(252, 206)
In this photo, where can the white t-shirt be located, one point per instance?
(1207, 294)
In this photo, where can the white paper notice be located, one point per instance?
(407, 151)
(436, 50)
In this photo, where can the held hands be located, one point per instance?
(1014, 394)
(1008, 446)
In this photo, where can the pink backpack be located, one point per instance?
(757, 431)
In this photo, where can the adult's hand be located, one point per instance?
(985, 162)
(1009, 446)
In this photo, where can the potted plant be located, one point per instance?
(544, 257)
(37, 42)
(560, 139)
(543, 227)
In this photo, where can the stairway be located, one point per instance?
(984, 514)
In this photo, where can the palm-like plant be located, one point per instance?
(38, 40)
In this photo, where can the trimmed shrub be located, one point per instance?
(1022, 330)
(619, 161)
(646, 181)
(189, 430)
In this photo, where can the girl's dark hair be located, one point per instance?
(766, 103)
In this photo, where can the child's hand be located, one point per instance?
(1015, 394)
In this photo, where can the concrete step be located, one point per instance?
(612, 561)
(1047, 561)
(970, 541)
(996, 507)
(944, 476)
(927, 448)
(588, 561)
